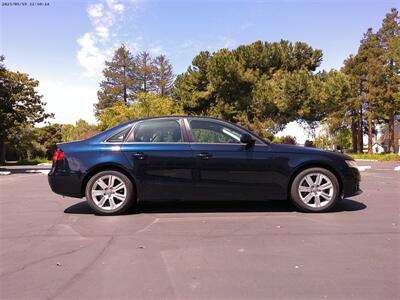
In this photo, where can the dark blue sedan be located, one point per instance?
(197, 158)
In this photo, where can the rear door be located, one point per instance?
(161, 159)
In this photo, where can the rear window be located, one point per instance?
(120, 136)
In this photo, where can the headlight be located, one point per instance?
(351, 163)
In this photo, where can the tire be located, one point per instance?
(109, 193)
(315, 190)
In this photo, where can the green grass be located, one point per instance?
(381, 157)
(25, 162)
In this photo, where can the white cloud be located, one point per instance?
(96, 10)
(115, 6)
(97, 44)
(90, 56)
(102, 32)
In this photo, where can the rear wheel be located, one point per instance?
(109, 192)
(315, 190)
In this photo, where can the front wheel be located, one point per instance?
(109, 192)
(315, 190)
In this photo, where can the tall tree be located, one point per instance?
(120, 83)
(20, 105)
(354, 68)
(261, 85)
(372, 70)
(163, 76)
(145, 72)
(191, 88)
(388, 36)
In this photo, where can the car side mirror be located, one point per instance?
(246, 138)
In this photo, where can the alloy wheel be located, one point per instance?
(109, 192)
(316, 190)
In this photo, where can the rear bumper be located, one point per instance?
(65, 184)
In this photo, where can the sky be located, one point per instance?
(64, 44)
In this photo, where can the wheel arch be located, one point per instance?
(315, 165)
(108, 167)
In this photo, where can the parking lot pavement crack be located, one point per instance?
(82, 272)
(148, 226)
(23, 267)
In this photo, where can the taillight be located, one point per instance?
(58, 154)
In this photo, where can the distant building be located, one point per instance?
(378, 148)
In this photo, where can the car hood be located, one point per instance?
(306, 150)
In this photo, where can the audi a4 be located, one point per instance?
(197, 159)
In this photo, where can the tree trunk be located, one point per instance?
(360, 132)
(125, 95)
(354, 134)
(391, 133)
(2, 152)
(370, 133)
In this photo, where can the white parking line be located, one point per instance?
(363, 168)
(397, 168)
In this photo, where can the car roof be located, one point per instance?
(175, 117)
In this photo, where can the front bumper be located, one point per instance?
(351, 184)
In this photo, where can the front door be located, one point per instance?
(226, 168)
(161, 161)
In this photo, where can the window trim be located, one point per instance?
(186, 132)
(178, 120)
(121, 142)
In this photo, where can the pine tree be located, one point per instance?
(163, 76)
(145, 72)
(354, 67)
(388, 36)
(371, 54)
(261, 85)
(120, 83)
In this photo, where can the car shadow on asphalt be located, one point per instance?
(215, 207)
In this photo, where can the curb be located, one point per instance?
(359, 159)
(29, 171)
(44, 171)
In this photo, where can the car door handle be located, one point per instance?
(139, 155)
(204, 155)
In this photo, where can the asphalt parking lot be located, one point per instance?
(55, 247)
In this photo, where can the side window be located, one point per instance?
(120, 136)
(157, 131)
(214, 132)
